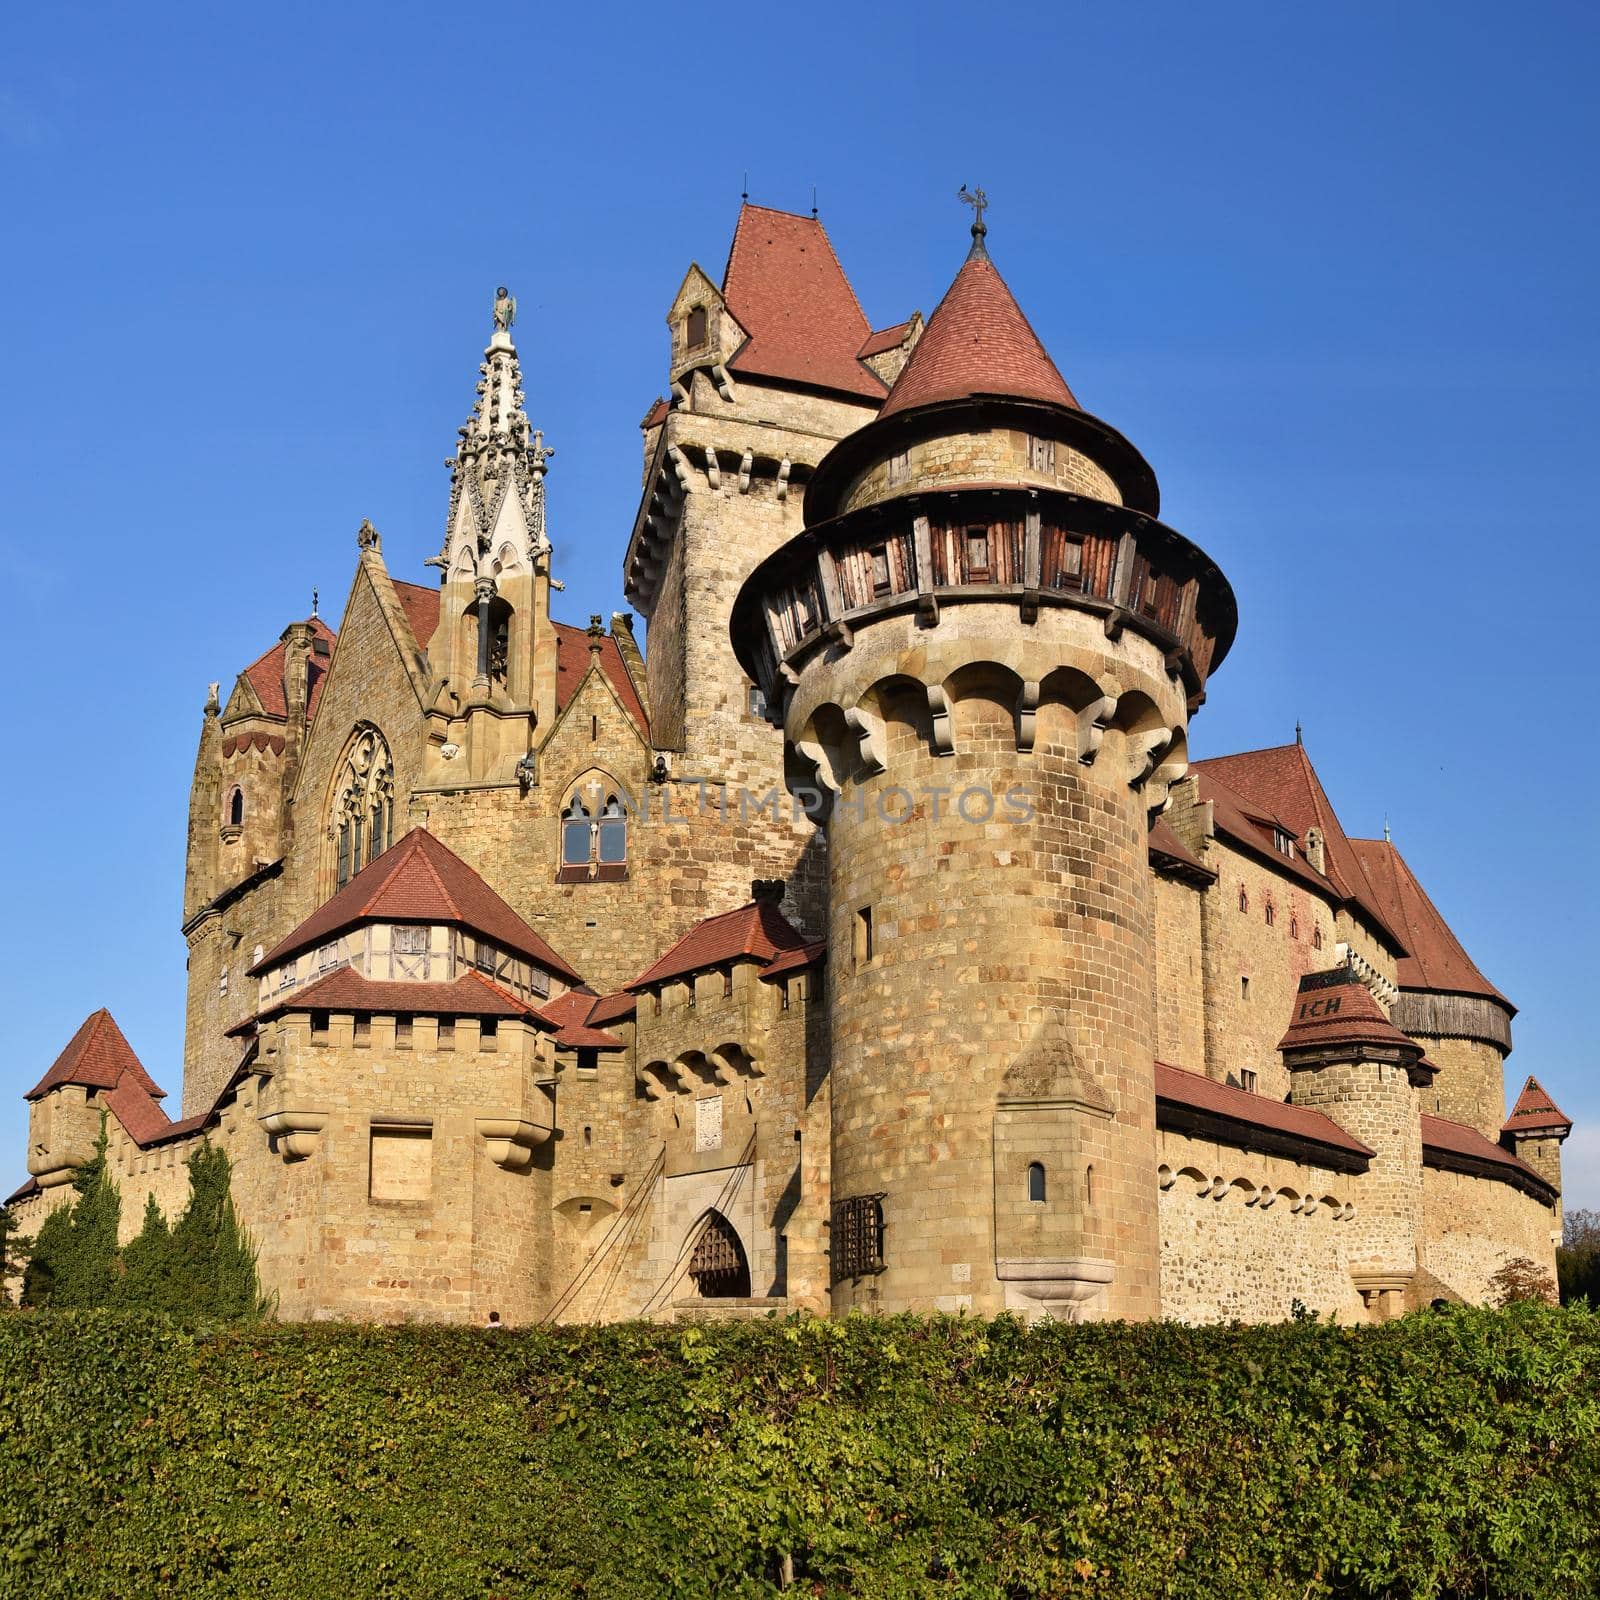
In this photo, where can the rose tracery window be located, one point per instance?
(363, 808)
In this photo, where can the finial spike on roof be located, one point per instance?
(979, 202)
(1299, 732)
(745, 192)
(313, 604)
(1387, 837)
(813, 202)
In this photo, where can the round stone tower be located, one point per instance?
(984, 650)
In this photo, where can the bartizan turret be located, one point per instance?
(984, 650)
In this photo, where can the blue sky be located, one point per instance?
(1332, 268)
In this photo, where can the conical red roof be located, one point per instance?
(977, 342)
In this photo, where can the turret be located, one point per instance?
(1536, 1130)
(984, 651)
(494, 653)
(1347, 1060)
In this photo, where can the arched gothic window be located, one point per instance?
(363, 809)
(236, 807)
(1036, 1188)
(594, 836)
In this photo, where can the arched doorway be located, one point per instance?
(718, 1266)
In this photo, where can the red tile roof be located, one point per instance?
(572, 662)
(787, 290)
(421, 606)
(759, 929)
(1440, 1136)
(265, 674)
(612, 1008)
(1167, 848)
(1281, 783)
(1435, 958)
(1181, 1087)
(1335, 1007)
(97, 1057)
(25, 1192)
(419, 880)
(657, 414)
(1536, 1112)
(977, 342)
(571, 1015)
(471, 995)
(808, 955)
(885, 339)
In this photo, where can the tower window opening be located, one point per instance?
(1036, 1183)
(756, 702)
(863, 936)
(1294, 926)
(594, 729)
(1244, 898)
(977, 552)
(402, 1032)
(488, 1032)
(222, 982)
(1244, 987)
(694, 331)
(236, 808)
(1272, 915)
(880, 569)
(1316, 938)
(1248, 1079)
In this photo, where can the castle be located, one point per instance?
(866, 942)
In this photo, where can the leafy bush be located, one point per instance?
(204, 1267)
(1452, 1453)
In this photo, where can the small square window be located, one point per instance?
(755, 702)
(488, 1032)
(411, 941)
(1247, 1079)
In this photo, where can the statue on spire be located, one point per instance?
(505, 309)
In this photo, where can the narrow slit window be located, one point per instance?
(694, 332)
(863, 940)
(1036, 1183)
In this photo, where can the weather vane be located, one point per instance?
(979, 202)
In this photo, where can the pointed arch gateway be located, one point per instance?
(719, 1268)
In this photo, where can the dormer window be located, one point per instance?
(1284, 842)
(411, 940)
(694, 327)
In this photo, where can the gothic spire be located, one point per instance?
(498, 452)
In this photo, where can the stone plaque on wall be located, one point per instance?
(402, 1163)
(708, 1123)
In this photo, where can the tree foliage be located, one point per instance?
(1578, 1258)
(1521, 1279)
(202, 1268)
(1443, 1455)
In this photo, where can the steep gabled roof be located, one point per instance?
(758, 930)
(1435, 958)
(265, 673)
(97, 1057)
(419, 880)
(977, 342)
(885, 339)
(785, 287)
(1536, 1112)
(796, 960)
(572, 662)
(1282, 783)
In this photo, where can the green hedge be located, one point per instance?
(1452, 1453)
